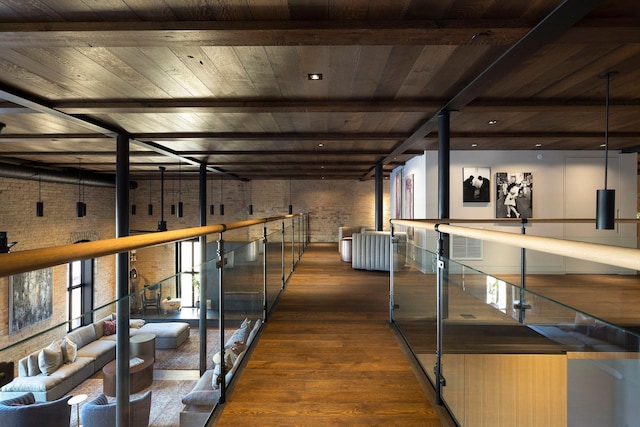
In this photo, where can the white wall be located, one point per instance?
(551, 192)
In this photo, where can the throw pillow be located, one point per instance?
(136, 323)
(69, 350)
(50, 358)
(33, 367)
(109, 327)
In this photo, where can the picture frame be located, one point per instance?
(514, 195)
(476, 185)
(30, 298)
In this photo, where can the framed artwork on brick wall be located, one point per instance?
(30, 298)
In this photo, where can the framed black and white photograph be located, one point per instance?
(514, 194)
(476, 185)
(30, 298)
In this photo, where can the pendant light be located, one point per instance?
(39, 203)
(606, 198)
(81, 206)
(162, 224)
(134, 209)
(173, 197)
(221, 197)
(250, 198)
(150, 206)
(212, 207)
(180, 212)
(290, 205)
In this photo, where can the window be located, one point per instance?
(80, 290)
(189, 261)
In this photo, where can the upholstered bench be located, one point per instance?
(168, 334)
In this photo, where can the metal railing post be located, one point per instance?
(265, 301)
(521, 305)
(439, 379)
(223, 371)
(282, 265)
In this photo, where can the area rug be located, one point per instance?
(187, 356)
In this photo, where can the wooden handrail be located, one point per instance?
(596, 252)
(35, 259)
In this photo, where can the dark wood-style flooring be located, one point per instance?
(328, 356)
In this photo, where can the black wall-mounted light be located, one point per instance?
(39, 203)
(606, 198)
(5, 246)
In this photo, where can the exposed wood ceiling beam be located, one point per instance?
(555, 24)
(415, 106)
(294, 33)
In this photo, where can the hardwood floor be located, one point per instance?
(328, 356)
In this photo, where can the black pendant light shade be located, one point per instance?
(162, 224)
(605, 209)
(81, 206)
(606, 198)
(222, 209)
(39, 203)
(250, 209)
(221, 197)
(150, 205)
(134, 209)
(180, 211)
(212, 209)
(290, 209)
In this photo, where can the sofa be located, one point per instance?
(24, 411)
(199, 403)
(98, 412)
(348, 231)
(371, 250)
(55, 370)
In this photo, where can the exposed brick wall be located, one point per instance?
(59, 226)
(330, 204)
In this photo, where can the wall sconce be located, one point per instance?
(5, 246)
(606, 198)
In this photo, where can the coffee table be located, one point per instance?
(140, 376)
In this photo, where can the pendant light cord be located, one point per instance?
(606, 134)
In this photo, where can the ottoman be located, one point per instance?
(168, 334)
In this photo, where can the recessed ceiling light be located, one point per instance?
(321, 167)
(492, 122)
(602, 145)
(538, 145)
(321, 145)
(474, 145)
(314, 76)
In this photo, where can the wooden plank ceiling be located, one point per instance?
(226, 82)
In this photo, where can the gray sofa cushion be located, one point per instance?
(202, 394)
(83, 336)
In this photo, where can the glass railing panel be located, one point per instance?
(288, 249)
(414, 299)
(273, 252)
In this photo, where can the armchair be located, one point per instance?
(100, 413)
(24, 411)
(151, 297)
